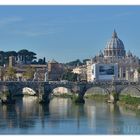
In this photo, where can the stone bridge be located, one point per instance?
(16, 87)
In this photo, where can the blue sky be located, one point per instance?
(65, 33)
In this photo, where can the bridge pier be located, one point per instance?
(81, 93)
(114, 95)
(6, 96)
(43, 96)
(79, 99)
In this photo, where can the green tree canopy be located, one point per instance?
(29, 73)
(27, 55)
(84, 61)
(138, 70)
(10, 53)
(70, 76)
(24, 55)
(10, 73)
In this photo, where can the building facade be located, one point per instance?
(81, 71)
(55, 70)
(115, 53)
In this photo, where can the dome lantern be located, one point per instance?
(114, 35)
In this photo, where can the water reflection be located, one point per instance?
(116, 122)
(62, 116)
(7, 116)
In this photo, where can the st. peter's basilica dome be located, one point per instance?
(115, 47)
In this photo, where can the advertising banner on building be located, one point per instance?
(106, 70)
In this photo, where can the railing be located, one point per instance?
(117, 82)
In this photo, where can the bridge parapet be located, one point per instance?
(80, 87)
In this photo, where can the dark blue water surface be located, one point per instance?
(62, 116)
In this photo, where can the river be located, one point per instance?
(62, 116)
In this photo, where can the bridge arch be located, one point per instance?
(57, 89)
(28, 91)
(131, 90)
(97, 90)
(61, 90)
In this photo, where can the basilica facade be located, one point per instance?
(115, 52)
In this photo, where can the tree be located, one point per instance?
(84, 61)
(11, 53)
(42, 61)
(10, 73)
(74, 63)
(70, 76)
(29, 73)
(138, 70)
(30, 56)
(26, 56)
(1, 58)
(8, 54)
